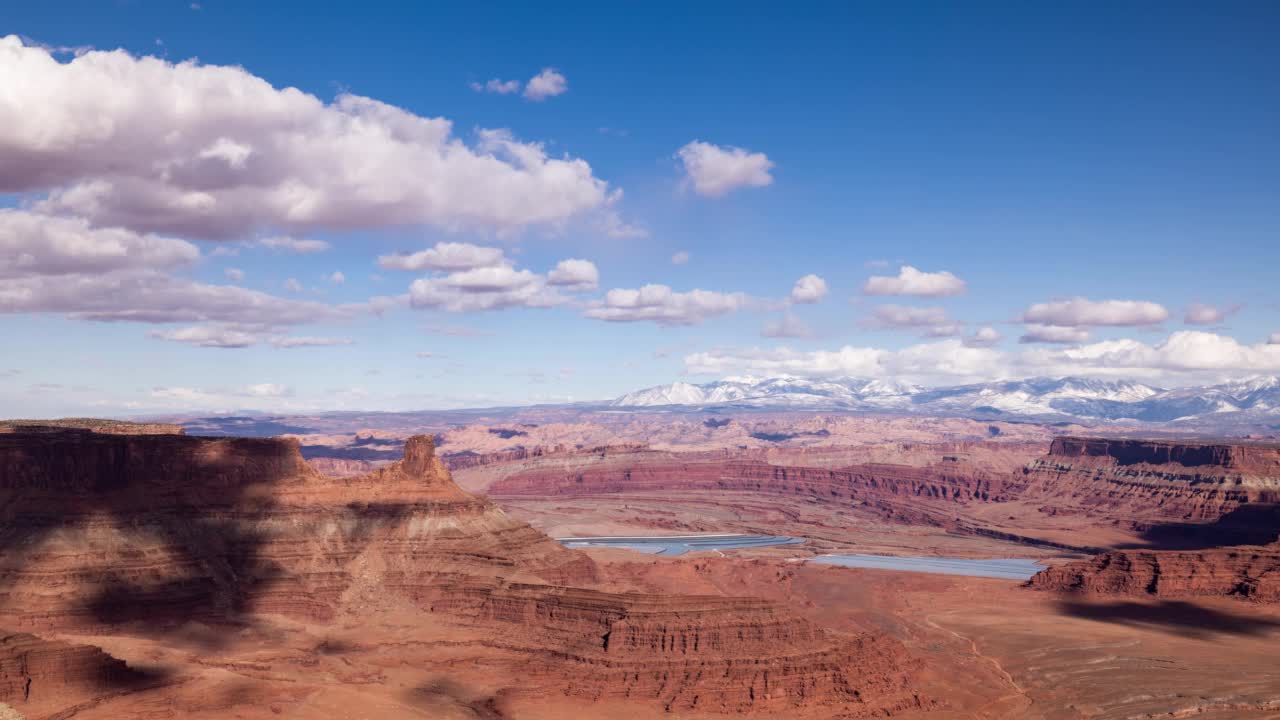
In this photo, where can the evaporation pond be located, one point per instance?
(1006, 568)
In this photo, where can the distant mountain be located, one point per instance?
(1068, 397)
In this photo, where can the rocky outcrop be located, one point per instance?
(34, 670)
(1253, 458)
(1145, 482)
(1250, 573)
(691, 652)
(948, 482)
(148, 533)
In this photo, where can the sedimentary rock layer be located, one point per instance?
(1251, 573)
(34, 670)
(146, 532)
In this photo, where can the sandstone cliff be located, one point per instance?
(145, 533)
(1250, 573)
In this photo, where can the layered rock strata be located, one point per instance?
(1249, 573)
(148, 531)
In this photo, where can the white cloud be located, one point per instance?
(574, 274)
(1274, 339)
(208, 336)
(715, 170)
(662, 305)
(234, 274)
(36, 244)
(1183, 356)
(1078, 312)
(497, 87)
(809, 289)
(788, 326)
(292, 285)
(156, 298)
(545, 84)
(902, 316)
(297, 341)
(1185, 351)
(337, 278)
(614, 227)
(426, 355)
(215, 152)
(1054, 334)
(1200, 314)
(267, 390)
(983, 337)
(449, 256)
(680, 258)
(297, 246)
(232, 335)
(934, 321)
(489, 288)
(911, 281)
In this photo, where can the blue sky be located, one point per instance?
(1115, 164)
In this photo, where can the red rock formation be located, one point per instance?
(705, 653)
(33, 670)
(1251, 573)
(1143, 482)
(155, 531)
(949, 482)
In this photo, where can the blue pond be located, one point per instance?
(680, 544)
(1008, 569)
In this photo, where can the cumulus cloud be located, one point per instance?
(292, 285)
(933, 321)
(714, 170)
(1054, 334)
(1274, 339)
(983, 337)
(1185, 351)
(574, 274)
(1082, 312)
(1182, 357)
(297, 246)
(911, 281)
(1201, 314)
(545, 84)
(337, 278)
(809, 289)
(788, 326)
(680, 258)
(213, 151)
(447, 256)
(497, 86)
(489, 288)
(490, 282)
(947, 360)
(234, 274)
(38, 244)
(664, 306)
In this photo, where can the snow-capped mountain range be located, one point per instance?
(1068, 397)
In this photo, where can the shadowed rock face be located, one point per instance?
(145, 533)
(33, 670)
(1259, 459)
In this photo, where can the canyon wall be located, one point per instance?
(1251, 573)
(145, 533)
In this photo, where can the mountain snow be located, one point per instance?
(1068, 396)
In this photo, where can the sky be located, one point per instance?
(220, 206)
